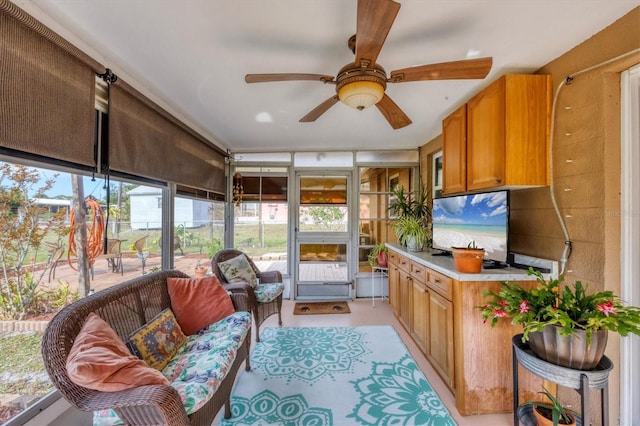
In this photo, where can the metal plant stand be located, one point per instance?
(382, 273)
(581, 380)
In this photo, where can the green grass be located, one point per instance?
(21, 365)
(21, 353)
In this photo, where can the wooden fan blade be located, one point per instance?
(265, 78)
(392, 112)
(319, 110)
(375, 18)
(466, 69)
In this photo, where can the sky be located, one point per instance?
(62, 185)
(479, 209)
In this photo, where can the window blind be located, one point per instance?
(147, 141)
(47, 90)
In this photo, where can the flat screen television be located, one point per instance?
(483, 218)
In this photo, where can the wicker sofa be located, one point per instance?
(126, 307)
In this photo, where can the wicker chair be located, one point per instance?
(261, 310)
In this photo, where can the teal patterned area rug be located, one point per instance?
(334, 376)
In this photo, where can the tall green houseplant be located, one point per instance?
(413, 215)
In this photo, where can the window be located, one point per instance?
(261, 217)
(376, 184)
(437, 174)
(198, 229)
(323, 204)
(131, 213)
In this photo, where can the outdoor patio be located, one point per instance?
(104, 277)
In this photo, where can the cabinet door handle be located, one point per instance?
(498, 180)
(436, 281)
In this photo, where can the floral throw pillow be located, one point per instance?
(157, 341)
(238, 269)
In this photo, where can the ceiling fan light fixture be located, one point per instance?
(361, 94)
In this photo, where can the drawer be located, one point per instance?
(393, 257)
(404, 264)
(440, 283)
(418, 271)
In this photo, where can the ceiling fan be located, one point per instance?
(362, 83)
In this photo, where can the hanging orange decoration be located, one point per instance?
(95, 231)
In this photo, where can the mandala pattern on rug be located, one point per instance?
(312, 352)
(267, 408)
(398, 394)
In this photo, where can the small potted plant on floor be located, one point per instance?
(468, 259)
(552, 412)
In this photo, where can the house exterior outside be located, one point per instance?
(146, 209)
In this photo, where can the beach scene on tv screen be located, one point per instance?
(482, 218)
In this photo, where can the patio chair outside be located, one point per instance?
(141, 252)
(113, 256)
(177, 245)
(55, 253)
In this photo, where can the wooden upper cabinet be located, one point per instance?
(454, 152)
(508, 133)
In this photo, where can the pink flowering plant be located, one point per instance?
(571, 309)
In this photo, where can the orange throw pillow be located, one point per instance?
(198, 302)
(100, 360)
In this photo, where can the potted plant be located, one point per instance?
(412, 233)
(552, 412)
(409, 204)
(412, 215)
(567, 327)
(468, 259)
(378, 255)
(200, 270)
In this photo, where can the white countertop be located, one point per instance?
(444, 265)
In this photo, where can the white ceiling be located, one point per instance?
(191, 57)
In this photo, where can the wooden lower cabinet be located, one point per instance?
(406, 293)
(394, 288)
(440, 336)
(472, 358)
(420, 320)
